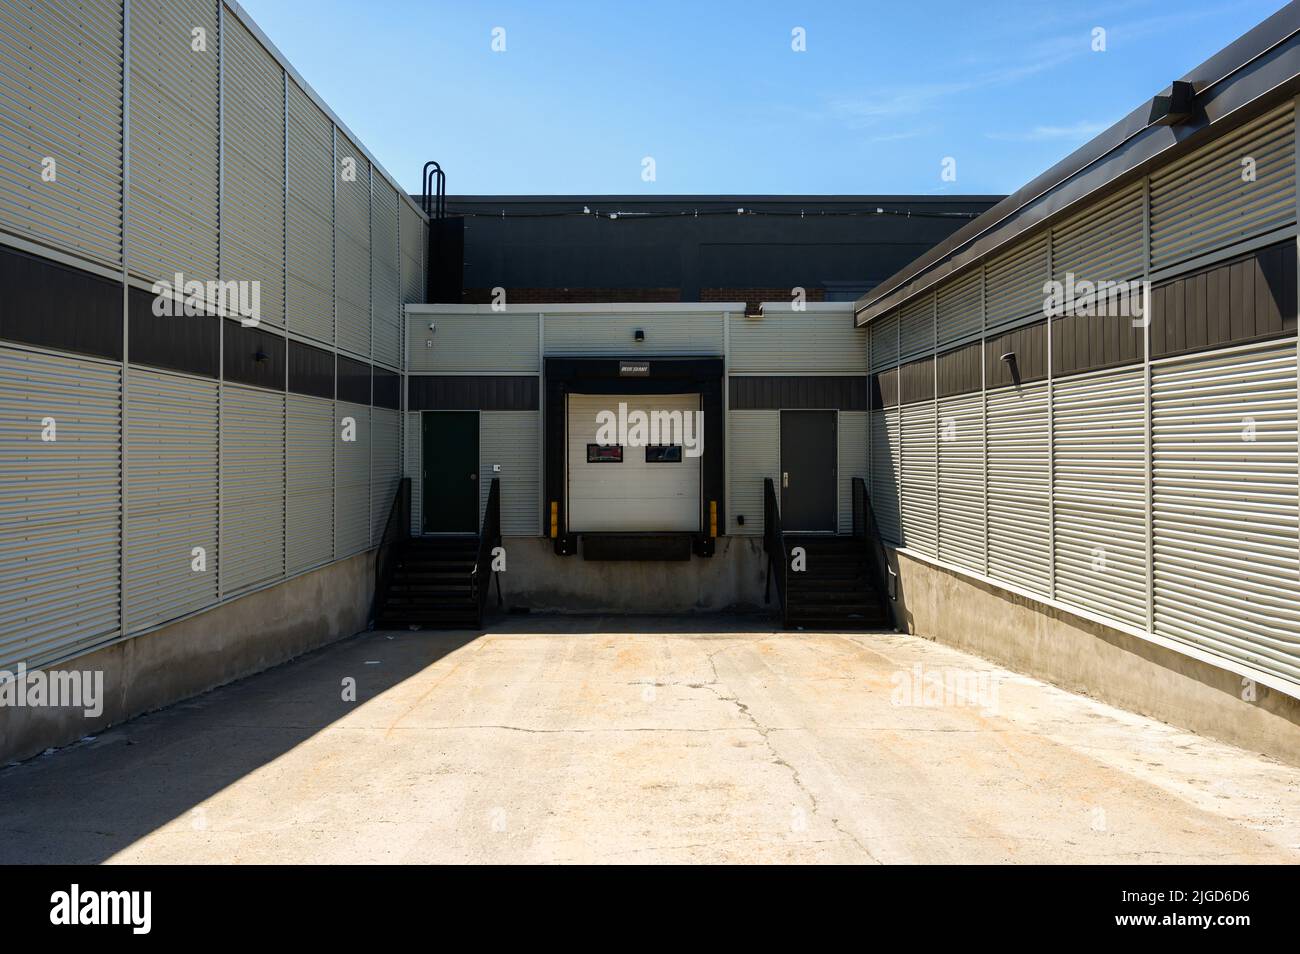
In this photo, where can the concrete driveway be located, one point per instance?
(647, 740)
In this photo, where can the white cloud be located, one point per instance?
(1081, 130)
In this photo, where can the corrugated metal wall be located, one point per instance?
(414, 468)
(1227, 574)
(510, 438)
(252, 199)
(886, 468)
(171, 499)
(1101, 243)
(960, 310)
(385, 289)
(884, 342)
(352, 246)
(252, 487)
(61, 65)
(412, 259)
(753, 453)
(309, 219)
(1013, 284)
(1018, 482)
(351, 481)
(485, 342)
(962, 510)
(920, 490)
(852, 436)
(310, 436)
(672, 333)
(173, 118)
(785, 340)
(916, 336)
(385, 466)
(1099, 492)
(60, 505)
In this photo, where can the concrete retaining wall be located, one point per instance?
(184, 659)
(1086, 657)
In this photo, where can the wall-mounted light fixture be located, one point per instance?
(433, 326)
(753, 309)
(1010, 359)
(638, 335)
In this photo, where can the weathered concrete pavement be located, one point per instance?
(645, 740)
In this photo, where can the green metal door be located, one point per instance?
(449, 446)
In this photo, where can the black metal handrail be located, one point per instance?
(865, 529)
(778, 562)
(396, 529)
(488, 540)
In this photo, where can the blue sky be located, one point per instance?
(714, 92)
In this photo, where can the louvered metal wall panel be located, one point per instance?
(385, 466)
(920, 491)
(886, 465)
(852, 435)
(60, 506)
(474, 342)
(385, 289)
(959, 311)
(172, 225)
(753, 453)
(61, 76)
(1018, 481)
(252, 487)
(884, 342)
(1099, 494)
(917, 334)
(1103, 242)
(412, 241)
(510, 438)
(1225, 506)
(786, 340)
(309, 219)
(352, 249)
(171, 496)
(691, 333)
(961, 481)
(1201, 202)
(414, 467)
(351, 481)
(1013, 284)
(252, 202)
(310, 433)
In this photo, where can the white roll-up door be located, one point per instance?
(961, 481)
(959, 309)
(386, 466)
(884, 342)
(851, 433)
(753, 453)
(1018, 481)
(385, 288)
(414, 468)
(920, 504)
(309, 219)
(1099, 493)
(917, 331)
(60, 505)
(61, 73)
(252, 487)
(1235, 187)
(352, 246)
(252, 201)
(886, 462)
(174, 140)
(171, 504)
(1013, 284)
(510, 438)
(351, 481)
(310, 433)
(1227, 550)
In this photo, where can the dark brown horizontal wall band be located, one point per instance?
(884, 389)
(916, 381)
(1091, 342)
(388, 389)
(55, 306)
(353, 381)
(311, 370)
(253, 356)
(472, 392)
(1246, 299)
(1016, 357)
(188, 343)
(800, 392)
(960, 370)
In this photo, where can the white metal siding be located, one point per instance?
(920, 491)
(414, 467)
(309, 219)
(171, 496)
(786, 340)
(1013, 284)
(174, 141)
(351, 481)
(385, 288)
(1201, 202)
(412, 241)
(385, 466)
(694, 333)
(473, 342)
(61, 73)
(917, 334)
(852, 436)
(1225, 506)
(60, 505)
(1018, 480)
(961, 481)
(252, 487)
(753, 453)
(510, 438)
(886, 464)
(352, 248)
(311, 434)
(884, 342)
(252, 201)
(959, 309)
(1103, 242)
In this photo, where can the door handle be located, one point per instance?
(785, 479)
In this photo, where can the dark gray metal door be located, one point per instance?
(808, 459)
